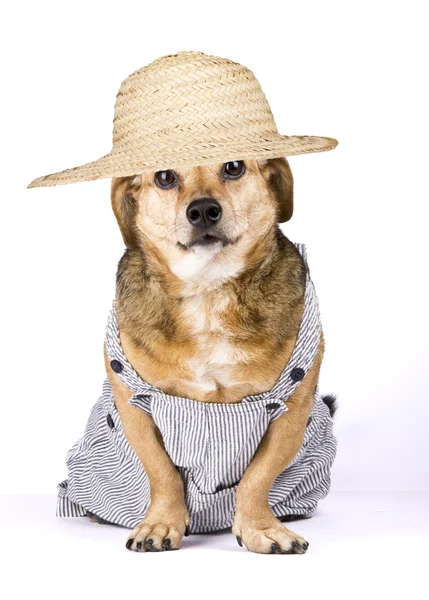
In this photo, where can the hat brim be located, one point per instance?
(124, 164)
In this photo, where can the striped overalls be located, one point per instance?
(211, 444)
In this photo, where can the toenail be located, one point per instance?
(305, 545)
(166, 543)
(240, 543)
(139, 545)
(187, 531)
(294, 544)
(275, 548)
(129, 543)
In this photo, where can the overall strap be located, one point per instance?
(307, 342)
(303, 251)
(121, 366)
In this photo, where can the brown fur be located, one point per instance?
(159, 341)
(212, 327)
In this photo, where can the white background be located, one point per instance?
(355, 71)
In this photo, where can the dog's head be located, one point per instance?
(198, 214)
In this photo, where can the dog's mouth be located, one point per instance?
(207, 240)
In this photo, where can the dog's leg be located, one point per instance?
(167, 518)
(255, 525)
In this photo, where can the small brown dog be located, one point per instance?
(210, 296)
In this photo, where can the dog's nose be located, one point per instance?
(204, 213)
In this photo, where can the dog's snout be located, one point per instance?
(204, 213)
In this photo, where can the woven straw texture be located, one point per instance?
(189, 109)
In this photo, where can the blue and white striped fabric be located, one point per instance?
(211, 444)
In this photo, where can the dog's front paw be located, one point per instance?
(266, 535)
(160, 530)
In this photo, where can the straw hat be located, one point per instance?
(189, 109)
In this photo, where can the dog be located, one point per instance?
(210, 416)
(210, 297)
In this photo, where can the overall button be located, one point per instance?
(110, 421)
(272, 406)
(143, 396)
(297, 374)
(116, 366)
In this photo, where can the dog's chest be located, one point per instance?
(209, 319)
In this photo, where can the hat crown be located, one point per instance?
(190, 97)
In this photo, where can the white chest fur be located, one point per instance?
(216, 355)
(204, 313)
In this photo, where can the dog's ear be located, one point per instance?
(279, 177)
(124, 204)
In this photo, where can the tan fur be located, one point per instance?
(213, 324)
(254, 522)
(167, 513)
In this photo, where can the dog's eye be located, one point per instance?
(165, 179)
(234, 169)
